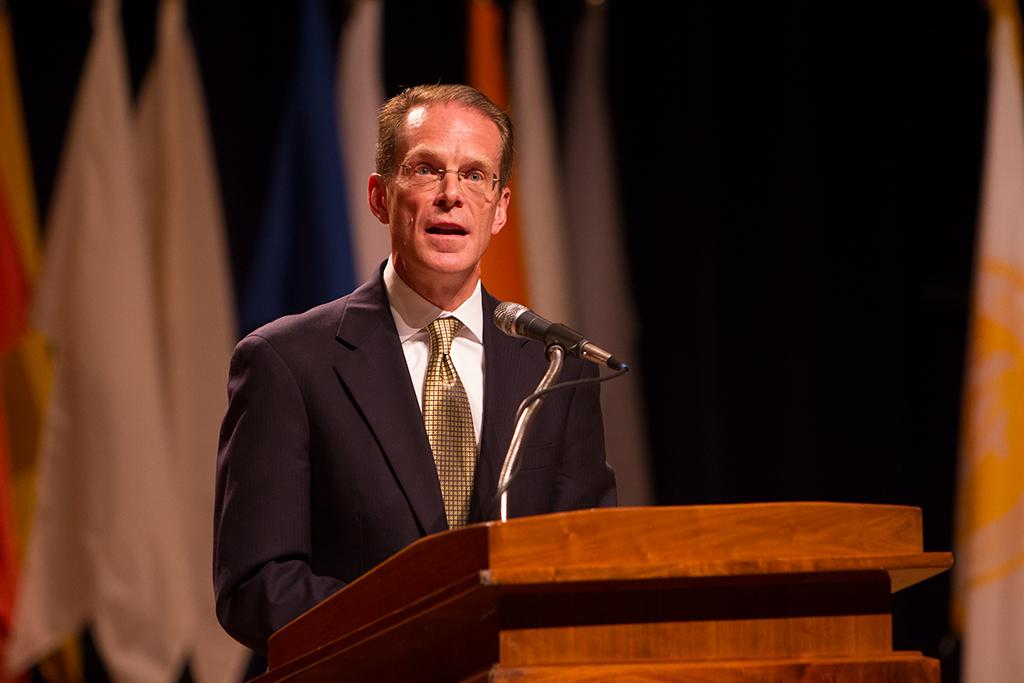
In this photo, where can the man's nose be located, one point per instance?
(449, 189)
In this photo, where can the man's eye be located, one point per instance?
(423, 170)
(474, 176)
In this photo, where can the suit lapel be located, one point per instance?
(506, 383)
(372, 366)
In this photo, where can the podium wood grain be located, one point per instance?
(772, 592)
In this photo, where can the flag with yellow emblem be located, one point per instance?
(989, 576)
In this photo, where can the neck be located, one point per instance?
(446, 291)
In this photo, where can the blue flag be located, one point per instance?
(303, 256)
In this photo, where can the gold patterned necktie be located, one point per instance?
(449, 423)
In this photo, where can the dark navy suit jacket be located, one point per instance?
(324, 469)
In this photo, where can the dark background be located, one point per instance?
(799, 185)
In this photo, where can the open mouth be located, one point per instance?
(446, 230)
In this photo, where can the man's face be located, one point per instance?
(440, 230)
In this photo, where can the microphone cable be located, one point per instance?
(496, 501)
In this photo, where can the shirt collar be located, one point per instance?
(412, 312)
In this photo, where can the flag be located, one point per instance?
(16, 176)
(538, 178)
(989, 574)
(25, 367)
(502, 265)
(303, 255)
(360, 94)
(24, 364)
(601, 271)
(13, 284)
(13, 307)
(106, 547)
(195, 309)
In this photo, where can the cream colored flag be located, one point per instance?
(106, 546)
(539, 187)
(600, 267)
(989, 573)
(196, 311)
(360, 92)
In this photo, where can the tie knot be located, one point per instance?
(442, 331)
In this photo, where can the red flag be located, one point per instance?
(13, 286)
(13, 313)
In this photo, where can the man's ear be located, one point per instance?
(376, 195)
(501, 212)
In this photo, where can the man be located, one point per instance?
(362, 425)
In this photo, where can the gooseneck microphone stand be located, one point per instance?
(526, 412)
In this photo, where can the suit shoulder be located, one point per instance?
(301, 332)
(320, 318)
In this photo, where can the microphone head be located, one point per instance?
(505, 317)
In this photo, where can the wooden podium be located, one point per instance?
(761, 592)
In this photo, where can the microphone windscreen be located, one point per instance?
(505, 316)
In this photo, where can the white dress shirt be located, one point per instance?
(412, 314)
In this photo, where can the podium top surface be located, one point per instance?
(627, 546)
(701, 535)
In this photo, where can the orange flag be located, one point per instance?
(503, 263)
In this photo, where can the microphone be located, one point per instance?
(517, 320)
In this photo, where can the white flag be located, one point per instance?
(539, 190)
(602, 283)
(106, 546)
(196, 312)
(989, 573)
(360, 92)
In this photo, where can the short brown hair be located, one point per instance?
(391, 118)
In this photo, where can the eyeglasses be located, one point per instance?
(474, 180)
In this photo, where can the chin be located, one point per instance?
(450, 264)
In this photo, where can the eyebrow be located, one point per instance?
(430, 153)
